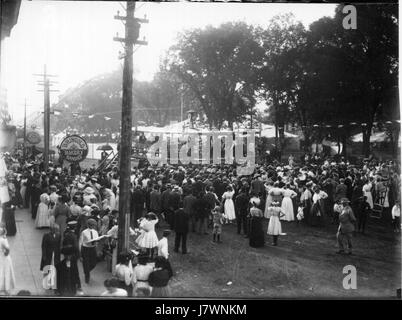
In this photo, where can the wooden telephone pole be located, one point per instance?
(46, 83)
(132, 28)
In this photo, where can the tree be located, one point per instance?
(355, 76)
(218, 64)
(280, 77)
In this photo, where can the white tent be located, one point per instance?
(268, 131)
(376, 137)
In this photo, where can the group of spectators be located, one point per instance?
(81, 210)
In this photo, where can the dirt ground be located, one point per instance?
(303, 265)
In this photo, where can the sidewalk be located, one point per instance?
(25, 252)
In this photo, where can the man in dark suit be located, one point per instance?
(155, 201)
(241, 204)
(51, 243)
(173, 204)
(137, 205)
(180, 226)
(165, 199)
(202, 212)
(188, 207)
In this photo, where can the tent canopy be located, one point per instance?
(376, 137)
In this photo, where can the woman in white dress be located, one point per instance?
(268, 187)
(148, 239)
(229, 208)
(274, 226)
(23, 191)
(43, 214)
(287, 204)
(7, 277)
(367, 192)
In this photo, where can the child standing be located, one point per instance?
(163, 245)
(274, 226)
(217, 220)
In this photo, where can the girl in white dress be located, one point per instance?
(367, 192)
(274, 226)
(229, 208)
(7, 277)
(148, 239)
(43, 214)
(287, 204)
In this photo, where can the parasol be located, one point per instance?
(105, 147)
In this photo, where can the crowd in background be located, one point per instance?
(80, 208)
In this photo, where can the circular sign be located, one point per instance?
(33, 137)
(73, 148)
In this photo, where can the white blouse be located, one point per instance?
(319, 196)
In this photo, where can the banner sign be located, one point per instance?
(74, 148)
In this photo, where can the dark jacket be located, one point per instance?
(188, 204)
(241, 204)
(159, 278)
(210, 197)
(165, 199)
(137, 199)
(201, 207)
(71, 240)
(174, 201)
(68, 279)
(50, 245)
(155, 201)
(180, 222)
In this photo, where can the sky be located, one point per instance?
(75, 40)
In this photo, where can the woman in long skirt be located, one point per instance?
(287, 204)
(159, 278)
(367, 192)
(42, 216)
(268, 202)
(256, 233)
(7, 277)
(274, 226)
(23, 191)
(229, 208)
(148, 239)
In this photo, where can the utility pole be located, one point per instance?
(132, 29)
(24, 150)
(181, 103)
(46, 116)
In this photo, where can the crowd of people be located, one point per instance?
(80, 208)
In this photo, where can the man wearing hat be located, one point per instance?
(346, 226)
(88, 248)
